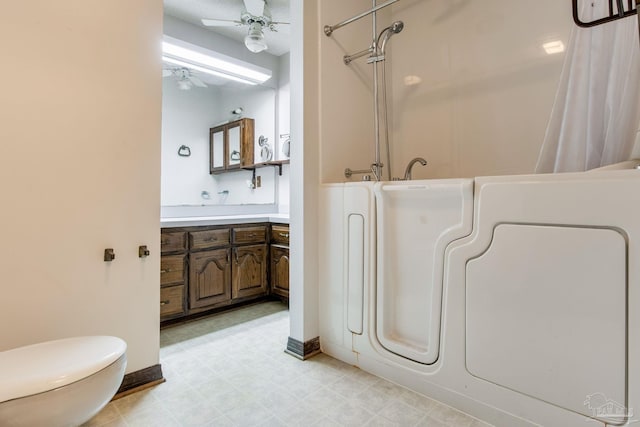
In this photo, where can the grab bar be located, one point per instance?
(348, 58)
(329, 29)
(622, 12)
(348, 172)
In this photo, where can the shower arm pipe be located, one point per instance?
(329, 29)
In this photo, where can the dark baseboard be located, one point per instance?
(302, 350)
(139, 380)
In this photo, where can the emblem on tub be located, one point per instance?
(603, 408)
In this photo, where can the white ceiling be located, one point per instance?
(192, 11)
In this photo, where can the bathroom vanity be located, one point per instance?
(209, 267)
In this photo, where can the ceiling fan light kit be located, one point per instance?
(178, 52)
(257, 17)
(254, 41)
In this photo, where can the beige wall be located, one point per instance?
(346, 94)
(487, 84)
(486, 89)
(80, 168)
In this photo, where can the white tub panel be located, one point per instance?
(355, 273)
(416, 221)
(330, 256)
(359, 244)
(546, 313)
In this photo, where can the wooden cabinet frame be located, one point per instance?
(238, 151)
(173, 277)
(224, 265)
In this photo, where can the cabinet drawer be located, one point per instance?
(173, 241)
(171, 269)
(209, 238)
(256, 234)
(172, 300)
(280, 234)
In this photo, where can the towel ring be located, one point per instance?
(184, 151)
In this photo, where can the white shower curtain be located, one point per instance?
(594, 119)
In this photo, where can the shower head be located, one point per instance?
(396, 27)
(386, 34)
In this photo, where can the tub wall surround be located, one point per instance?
(81, 173)
(457, 77)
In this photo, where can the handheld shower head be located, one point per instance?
(386, 34)
(397, 26)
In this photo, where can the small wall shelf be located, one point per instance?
(276, 163)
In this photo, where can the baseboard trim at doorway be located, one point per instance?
(303, 350)
(140, 380)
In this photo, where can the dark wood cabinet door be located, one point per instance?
(171, 269)
(249, 271)
(280, 271)
(209, 278)
(171, 302)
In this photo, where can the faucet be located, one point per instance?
(407, 171)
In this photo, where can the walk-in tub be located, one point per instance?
(511, 298)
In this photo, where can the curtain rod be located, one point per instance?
(328, 29)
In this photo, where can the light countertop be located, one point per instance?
(196, 221)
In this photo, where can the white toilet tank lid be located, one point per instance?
(45, 366)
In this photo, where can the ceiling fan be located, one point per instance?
(257, 16)
(184, 77)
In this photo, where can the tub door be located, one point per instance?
(416, 220)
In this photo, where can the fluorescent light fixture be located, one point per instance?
(206, 70)
(552, 47)
(200, 59)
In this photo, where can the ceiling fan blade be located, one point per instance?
(220, 23)
(166, 73)
(196, 81)
(254, 7)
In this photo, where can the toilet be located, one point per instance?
(60, 383)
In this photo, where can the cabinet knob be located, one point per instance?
(165, 302)
(285, 235)
(109, 255)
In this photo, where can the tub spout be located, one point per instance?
(407, 171)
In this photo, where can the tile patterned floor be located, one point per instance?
(230, 370)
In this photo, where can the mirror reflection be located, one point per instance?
(187, 117)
